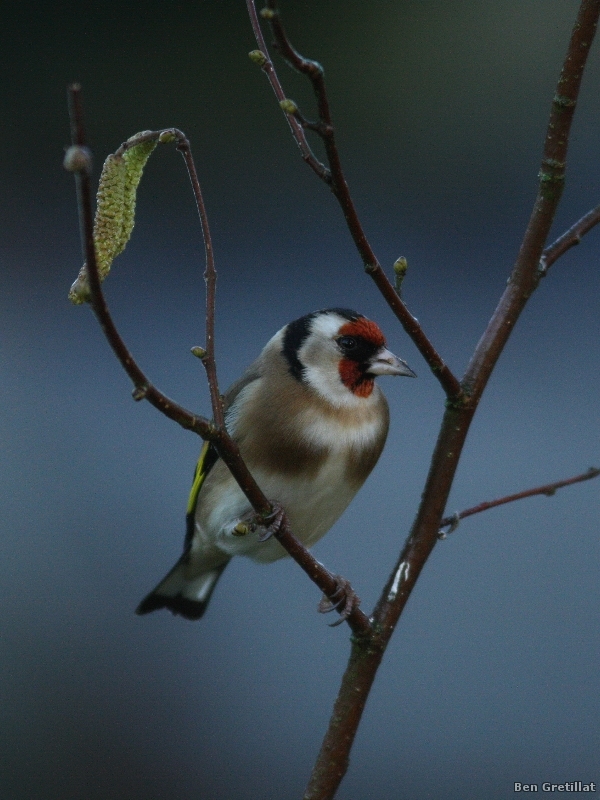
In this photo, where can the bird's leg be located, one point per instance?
(343, 600)
(338, 594)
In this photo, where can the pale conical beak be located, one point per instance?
(386, 363)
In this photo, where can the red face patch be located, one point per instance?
(366, 328)
(354, 378)
(351, 372)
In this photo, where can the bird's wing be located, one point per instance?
(208, 458)
(208, 455)
(253, 373)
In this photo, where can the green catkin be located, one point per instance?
(115, 211)
(135, 160)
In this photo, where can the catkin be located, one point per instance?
(115, 211)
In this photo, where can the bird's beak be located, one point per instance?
(386, 363)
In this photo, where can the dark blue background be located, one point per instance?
(441, 108)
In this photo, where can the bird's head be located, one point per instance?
(338, 353)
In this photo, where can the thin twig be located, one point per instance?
(79, 163)
(339, 186)
(313, 70)
(568, 239)
(548, 490)
(325, 580)
(210, 276)
(296, 129)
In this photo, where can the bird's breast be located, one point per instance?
(304, 453)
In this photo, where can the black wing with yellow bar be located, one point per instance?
(208, 458)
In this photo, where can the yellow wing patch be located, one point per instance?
(199, 477)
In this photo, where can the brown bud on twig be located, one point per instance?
(78, 159)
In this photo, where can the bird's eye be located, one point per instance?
(347, 343)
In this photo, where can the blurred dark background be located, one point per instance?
(441, 109)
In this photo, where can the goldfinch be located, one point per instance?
(310, 424)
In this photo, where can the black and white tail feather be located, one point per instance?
(184, 596)
(187, 598)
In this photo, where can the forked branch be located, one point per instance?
(568, 239)
(463, 397)
(526, 273)
(370, 637)
(335, 178)
(78, 161)
(449, 524)
(261, 57)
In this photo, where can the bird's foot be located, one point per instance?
(268, 525)
(344, 600)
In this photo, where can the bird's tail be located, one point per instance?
(188, 598)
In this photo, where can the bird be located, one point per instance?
(310, 423)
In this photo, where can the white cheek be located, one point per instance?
(320, 357)
(328, 385)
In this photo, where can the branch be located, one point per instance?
(206, 355)
(549, 489)
(526, 275)
(210, 276)
(568, 239)
(78, 161)
(522, 282)
(336, 179)
(366, 656)
(261, 57)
